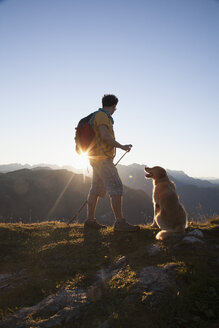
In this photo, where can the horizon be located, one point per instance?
(159, 58)
(90, 168)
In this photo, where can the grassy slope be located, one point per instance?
(47, 256)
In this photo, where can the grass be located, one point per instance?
(45, 257)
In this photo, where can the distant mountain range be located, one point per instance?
(200, 197)
(133, 176)
(5, 168)
(31, 193)
(45, 194)
(132, 170)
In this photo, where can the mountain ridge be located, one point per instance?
(31, 194)
(42, 194)
(178, 175)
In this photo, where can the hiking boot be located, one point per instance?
(122, 225)
(93, 224)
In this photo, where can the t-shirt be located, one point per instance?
(102, 149)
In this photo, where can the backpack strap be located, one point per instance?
(91, 122)
(107, 113)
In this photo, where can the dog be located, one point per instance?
(169, 215)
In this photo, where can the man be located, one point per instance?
(105, 175)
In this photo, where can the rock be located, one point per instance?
(153, 283)
(106, 274)
(157, 278)
(94, 292)
(192, 240)
(154, 250)
(55, 307)
(121, 262)
(54, 321)
(10, 281)
(64, 306)
(196, 319)
(5, 276)
(105, 324)
(108, 323)
(196, 233)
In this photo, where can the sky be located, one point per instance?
(160, 58)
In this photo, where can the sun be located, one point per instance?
(82, 161)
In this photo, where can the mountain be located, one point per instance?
(134, 170)
(200, 203)
(183, 178)
(4, 168)
(200, 198)
(134, 176)
(30, 194)
(42, 194)
(213, 180)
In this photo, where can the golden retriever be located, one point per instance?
(169, 214)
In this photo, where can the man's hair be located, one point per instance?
(109, 100)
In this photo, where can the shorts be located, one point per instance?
(105, 179)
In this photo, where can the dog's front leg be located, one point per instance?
(156, 211)
(156, 208)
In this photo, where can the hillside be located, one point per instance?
(54, 275)
(132, 176)
(45, 194)
(42, 194)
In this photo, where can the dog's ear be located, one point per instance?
(162, 173)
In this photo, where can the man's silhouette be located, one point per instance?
(105, 175)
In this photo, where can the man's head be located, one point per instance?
(109, 102)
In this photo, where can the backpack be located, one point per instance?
(85, 135)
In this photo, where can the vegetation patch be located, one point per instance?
(38, 260)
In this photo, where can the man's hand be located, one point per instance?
(126, 147)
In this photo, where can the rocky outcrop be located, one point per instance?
(63, 307)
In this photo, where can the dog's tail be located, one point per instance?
(163, 234)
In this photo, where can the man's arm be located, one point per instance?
(106, 136)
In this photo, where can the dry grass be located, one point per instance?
(45, 257)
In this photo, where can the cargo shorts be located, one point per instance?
(105, 178)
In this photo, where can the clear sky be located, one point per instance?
(161, 58)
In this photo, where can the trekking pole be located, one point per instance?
(122, 157)
(82, 206)
(77, 213)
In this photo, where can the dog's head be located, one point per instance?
(155, 173)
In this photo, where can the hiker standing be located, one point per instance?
(105, 175)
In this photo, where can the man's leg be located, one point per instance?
(91, 222)
(113, 185)
(91, 206)
(97, 189)
(116, 204)
(121, 224)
